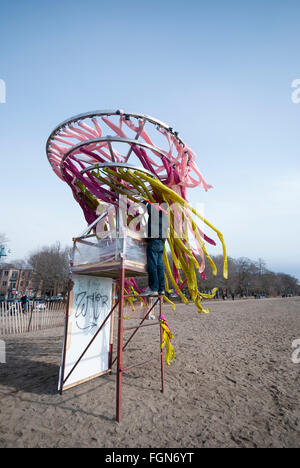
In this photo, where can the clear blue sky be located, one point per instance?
(218, 72)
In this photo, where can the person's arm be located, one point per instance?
(148, 206)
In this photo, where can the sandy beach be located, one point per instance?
(232, 384)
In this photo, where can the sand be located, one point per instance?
(232, 384)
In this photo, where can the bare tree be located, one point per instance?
(21, 264)
(51, 267)
(261, 266)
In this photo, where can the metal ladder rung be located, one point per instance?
(139, 363)
(140, 326)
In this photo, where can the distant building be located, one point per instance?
(16, 282)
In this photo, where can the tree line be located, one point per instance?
(51, 264)
(247, 277)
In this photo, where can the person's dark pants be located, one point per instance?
(155, 264)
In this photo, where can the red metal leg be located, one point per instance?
(110, 357)
(162, 350)
(70, 286)
(120, 348)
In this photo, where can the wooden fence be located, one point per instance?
(13, 319)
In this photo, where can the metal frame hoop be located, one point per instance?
(111, 139)
(67, 134)
(101, 113)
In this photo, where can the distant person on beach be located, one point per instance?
(24, 302)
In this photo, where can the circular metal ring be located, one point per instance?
(113, 164)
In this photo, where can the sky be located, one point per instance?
(220, 73)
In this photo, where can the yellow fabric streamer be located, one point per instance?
(150, 188)
(170, 302)
(177, 198)
(167, 337)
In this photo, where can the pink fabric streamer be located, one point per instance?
(174, 164)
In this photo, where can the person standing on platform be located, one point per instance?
(156, 238)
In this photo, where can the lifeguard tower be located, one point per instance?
(116, 254)
(103, 155)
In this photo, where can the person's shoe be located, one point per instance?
(149, 292)
(161, 293)
(151, 317)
